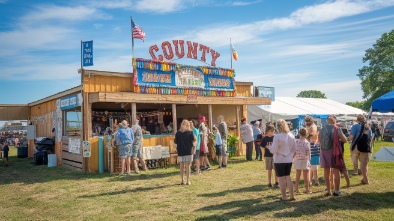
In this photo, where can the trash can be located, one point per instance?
(22, 151)
(52, 160)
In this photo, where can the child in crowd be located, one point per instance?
(302, 158)
(218, 146)
(268, 156)
(5, 151)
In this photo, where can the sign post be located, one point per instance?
(86, 60)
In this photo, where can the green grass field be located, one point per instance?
(239, 192)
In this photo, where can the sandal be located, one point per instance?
(189, 183)
(365, 183)
(292, 199)
(327, 194)
(308, 192)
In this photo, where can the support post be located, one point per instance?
(174, 120)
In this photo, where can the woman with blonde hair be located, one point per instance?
(186, 147)
(283, 148)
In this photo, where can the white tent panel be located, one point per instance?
(384, 154)
(290, 108)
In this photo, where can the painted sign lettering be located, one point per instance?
(178, 46)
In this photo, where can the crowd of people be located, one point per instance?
(313, 149)
(282, 151)
(191, 142)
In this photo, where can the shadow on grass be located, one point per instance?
(138, 189)
(22, 170)
(297, 209)
(144, 176)
(256, 188)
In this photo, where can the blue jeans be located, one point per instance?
(258, 151)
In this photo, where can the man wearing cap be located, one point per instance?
(256, 132)
(136, 150)
(247, 138)
(205, 165)
(124, 138)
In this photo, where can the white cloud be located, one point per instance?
(341, 91)
(314, 14)
(167, 6)
(34, 38)
(244, 3)
(111, 4)
(50, 13)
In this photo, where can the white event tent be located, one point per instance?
(297, 108)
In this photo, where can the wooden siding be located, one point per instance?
(14, 112)
(42, 118)
(244, 90)
(173, 99)
(96, 83)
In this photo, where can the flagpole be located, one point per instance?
(132, 39)
(231, 56)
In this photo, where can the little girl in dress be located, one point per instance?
(301, 160)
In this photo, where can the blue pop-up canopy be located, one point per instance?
(384, 104)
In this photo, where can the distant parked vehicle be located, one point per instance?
(388, 132)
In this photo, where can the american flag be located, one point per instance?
(137, 31)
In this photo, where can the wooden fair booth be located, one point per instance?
(157, 92)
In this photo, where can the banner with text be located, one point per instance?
(87, 53)
(188, 77)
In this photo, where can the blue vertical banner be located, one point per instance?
(87, 53)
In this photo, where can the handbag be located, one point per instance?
(353, 144)
(338, 156)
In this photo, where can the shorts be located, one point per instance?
(196, 156)
(224, 147)
(136, 152)
(282, 169)
(185, 159)
(327, 159)
(301, 164)
(269, 163)
(356, 155)
(315, 160)
(124, 150)
(220, 150)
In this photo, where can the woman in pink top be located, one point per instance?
(302, 158)
(283, 148)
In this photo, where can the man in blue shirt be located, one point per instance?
(124, 138)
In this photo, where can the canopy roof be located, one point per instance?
(384, 104)
(293, 107)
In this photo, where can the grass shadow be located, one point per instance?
(22, 170)
(299, 208)
(255, 188)
(134, 190)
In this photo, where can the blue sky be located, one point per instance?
(292, 45)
